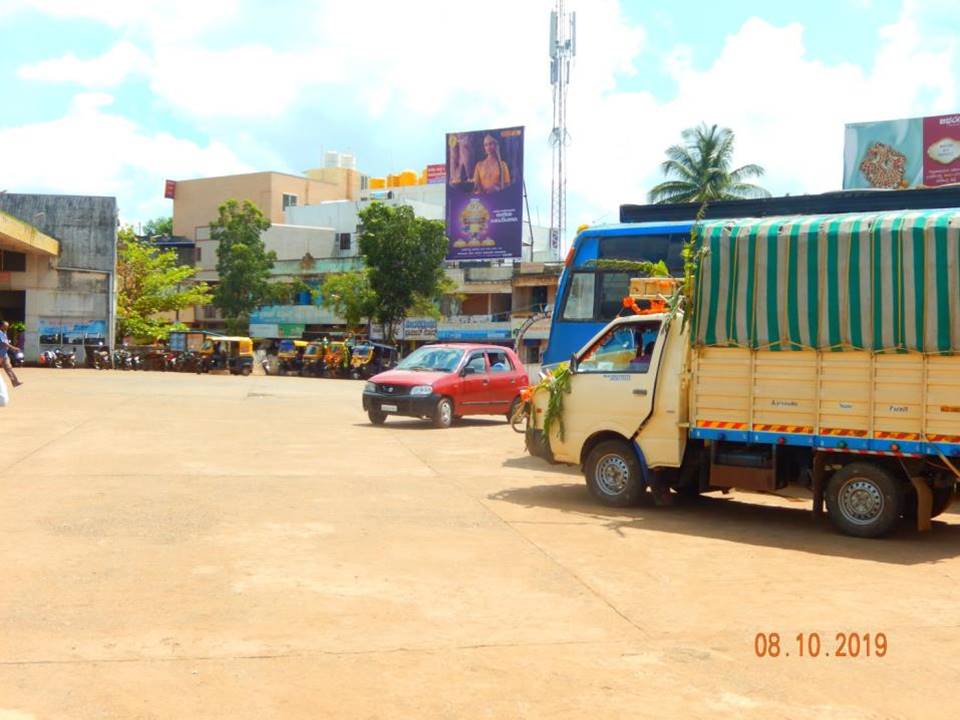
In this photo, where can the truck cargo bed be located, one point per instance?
(901, 403)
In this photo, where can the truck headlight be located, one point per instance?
(370, 388)
(421, 390)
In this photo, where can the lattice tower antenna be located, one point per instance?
(563, 48)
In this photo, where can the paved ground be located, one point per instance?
(178, 546)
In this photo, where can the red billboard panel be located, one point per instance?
(170, 189)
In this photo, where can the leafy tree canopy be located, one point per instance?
(699, 170)
(150, 282)
(243, 263)
(162, 226)
(350, 296)
(404, 256)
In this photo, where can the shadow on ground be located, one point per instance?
(735, 520)
(405, 423)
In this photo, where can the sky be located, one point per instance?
(112, 97)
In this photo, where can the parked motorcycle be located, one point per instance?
(65, 359)
(16, 358)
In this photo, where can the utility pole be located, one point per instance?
(563, 48)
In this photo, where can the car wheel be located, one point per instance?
(613, 474)
(443, 413)
(864, 500)
(377, 417)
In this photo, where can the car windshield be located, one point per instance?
(439, 359)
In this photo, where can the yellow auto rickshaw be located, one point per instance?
(227, 353)
(369, 358)
(290, 356)
(314, 359)
(337, 358)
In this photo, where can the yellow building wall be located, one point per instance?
(197, 201)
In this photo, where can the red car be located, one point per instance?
(447, 381)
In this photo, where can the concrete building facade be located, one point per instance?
(196, 202)
(59, 254)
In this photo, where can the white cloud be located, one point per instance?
(788, 109)
(91, 151)
(452, 67)
(111, 68)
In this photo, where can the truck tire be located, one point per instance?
(864, 500)
(443, 413)
(613, 474)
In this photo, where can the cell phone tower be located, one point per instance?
(563, 48)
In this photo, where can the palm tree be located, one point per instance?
(699, 170)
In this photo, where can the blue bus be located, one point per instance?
(588, 297)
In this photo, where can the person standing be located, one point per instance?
(5, 347)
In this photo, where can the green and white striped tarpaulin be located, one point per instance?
(875, 281)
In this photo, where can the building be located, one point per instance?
(196, 202)
(305, 253)
(57, 259)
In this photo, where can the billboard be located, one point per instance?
(897, 154)
(436, 174)
(485, 194)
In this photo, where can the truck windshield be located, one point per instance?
(624, 349)
(432, 358)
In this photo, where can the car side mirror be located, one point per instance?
(573, 363)
(468, 371)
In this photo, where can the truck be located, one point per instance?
(819, 351)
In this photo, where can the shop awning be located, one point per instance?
(17, 235)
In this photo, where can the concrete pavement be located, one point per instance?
(182, 546)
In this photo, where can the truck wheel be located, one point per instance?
(864, 500)
(443, 413)
(613, 474)
(377, 417)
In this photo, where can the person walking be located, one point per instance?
(5, 347)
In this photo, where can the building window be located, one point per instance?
(364, 182)
(289, 200)
(12, 261)
(344, 241)
(201, 233)
(199, 255)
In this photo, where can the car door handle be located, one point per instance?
(639, 391)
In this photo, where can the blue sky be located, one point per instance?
(113, 97)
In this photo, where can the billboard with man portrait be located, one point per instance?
(485, 194)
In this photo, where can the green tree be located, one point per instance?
(243, 262)
(700, 171)
(404, 256)
(350, 296)
(162, 226)
(150, 282)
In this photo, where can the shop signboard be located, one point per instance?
(293, 314)
(480, 331)
(71, 332)
(898, 154)
(484, 208)
(419, 329)
(264, 330)
(436, 174)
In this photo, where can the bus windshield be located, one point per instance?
(592, 288)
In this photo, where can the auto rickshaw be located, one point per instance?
(337, 358)
(314, 358)
(227, 353)
(290, 356)
(369, 358)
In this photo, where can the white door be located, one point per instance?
(613, 386)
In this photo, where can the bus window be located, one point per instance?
(580, 298)
(614, 287)
(652, 248)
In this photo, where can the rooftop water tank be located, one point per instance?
(331, 159)
(348, 161)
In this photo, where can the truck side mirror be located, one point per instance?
(573, 363)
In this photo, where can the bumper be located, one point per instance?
(538, 445)
(406, 405)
